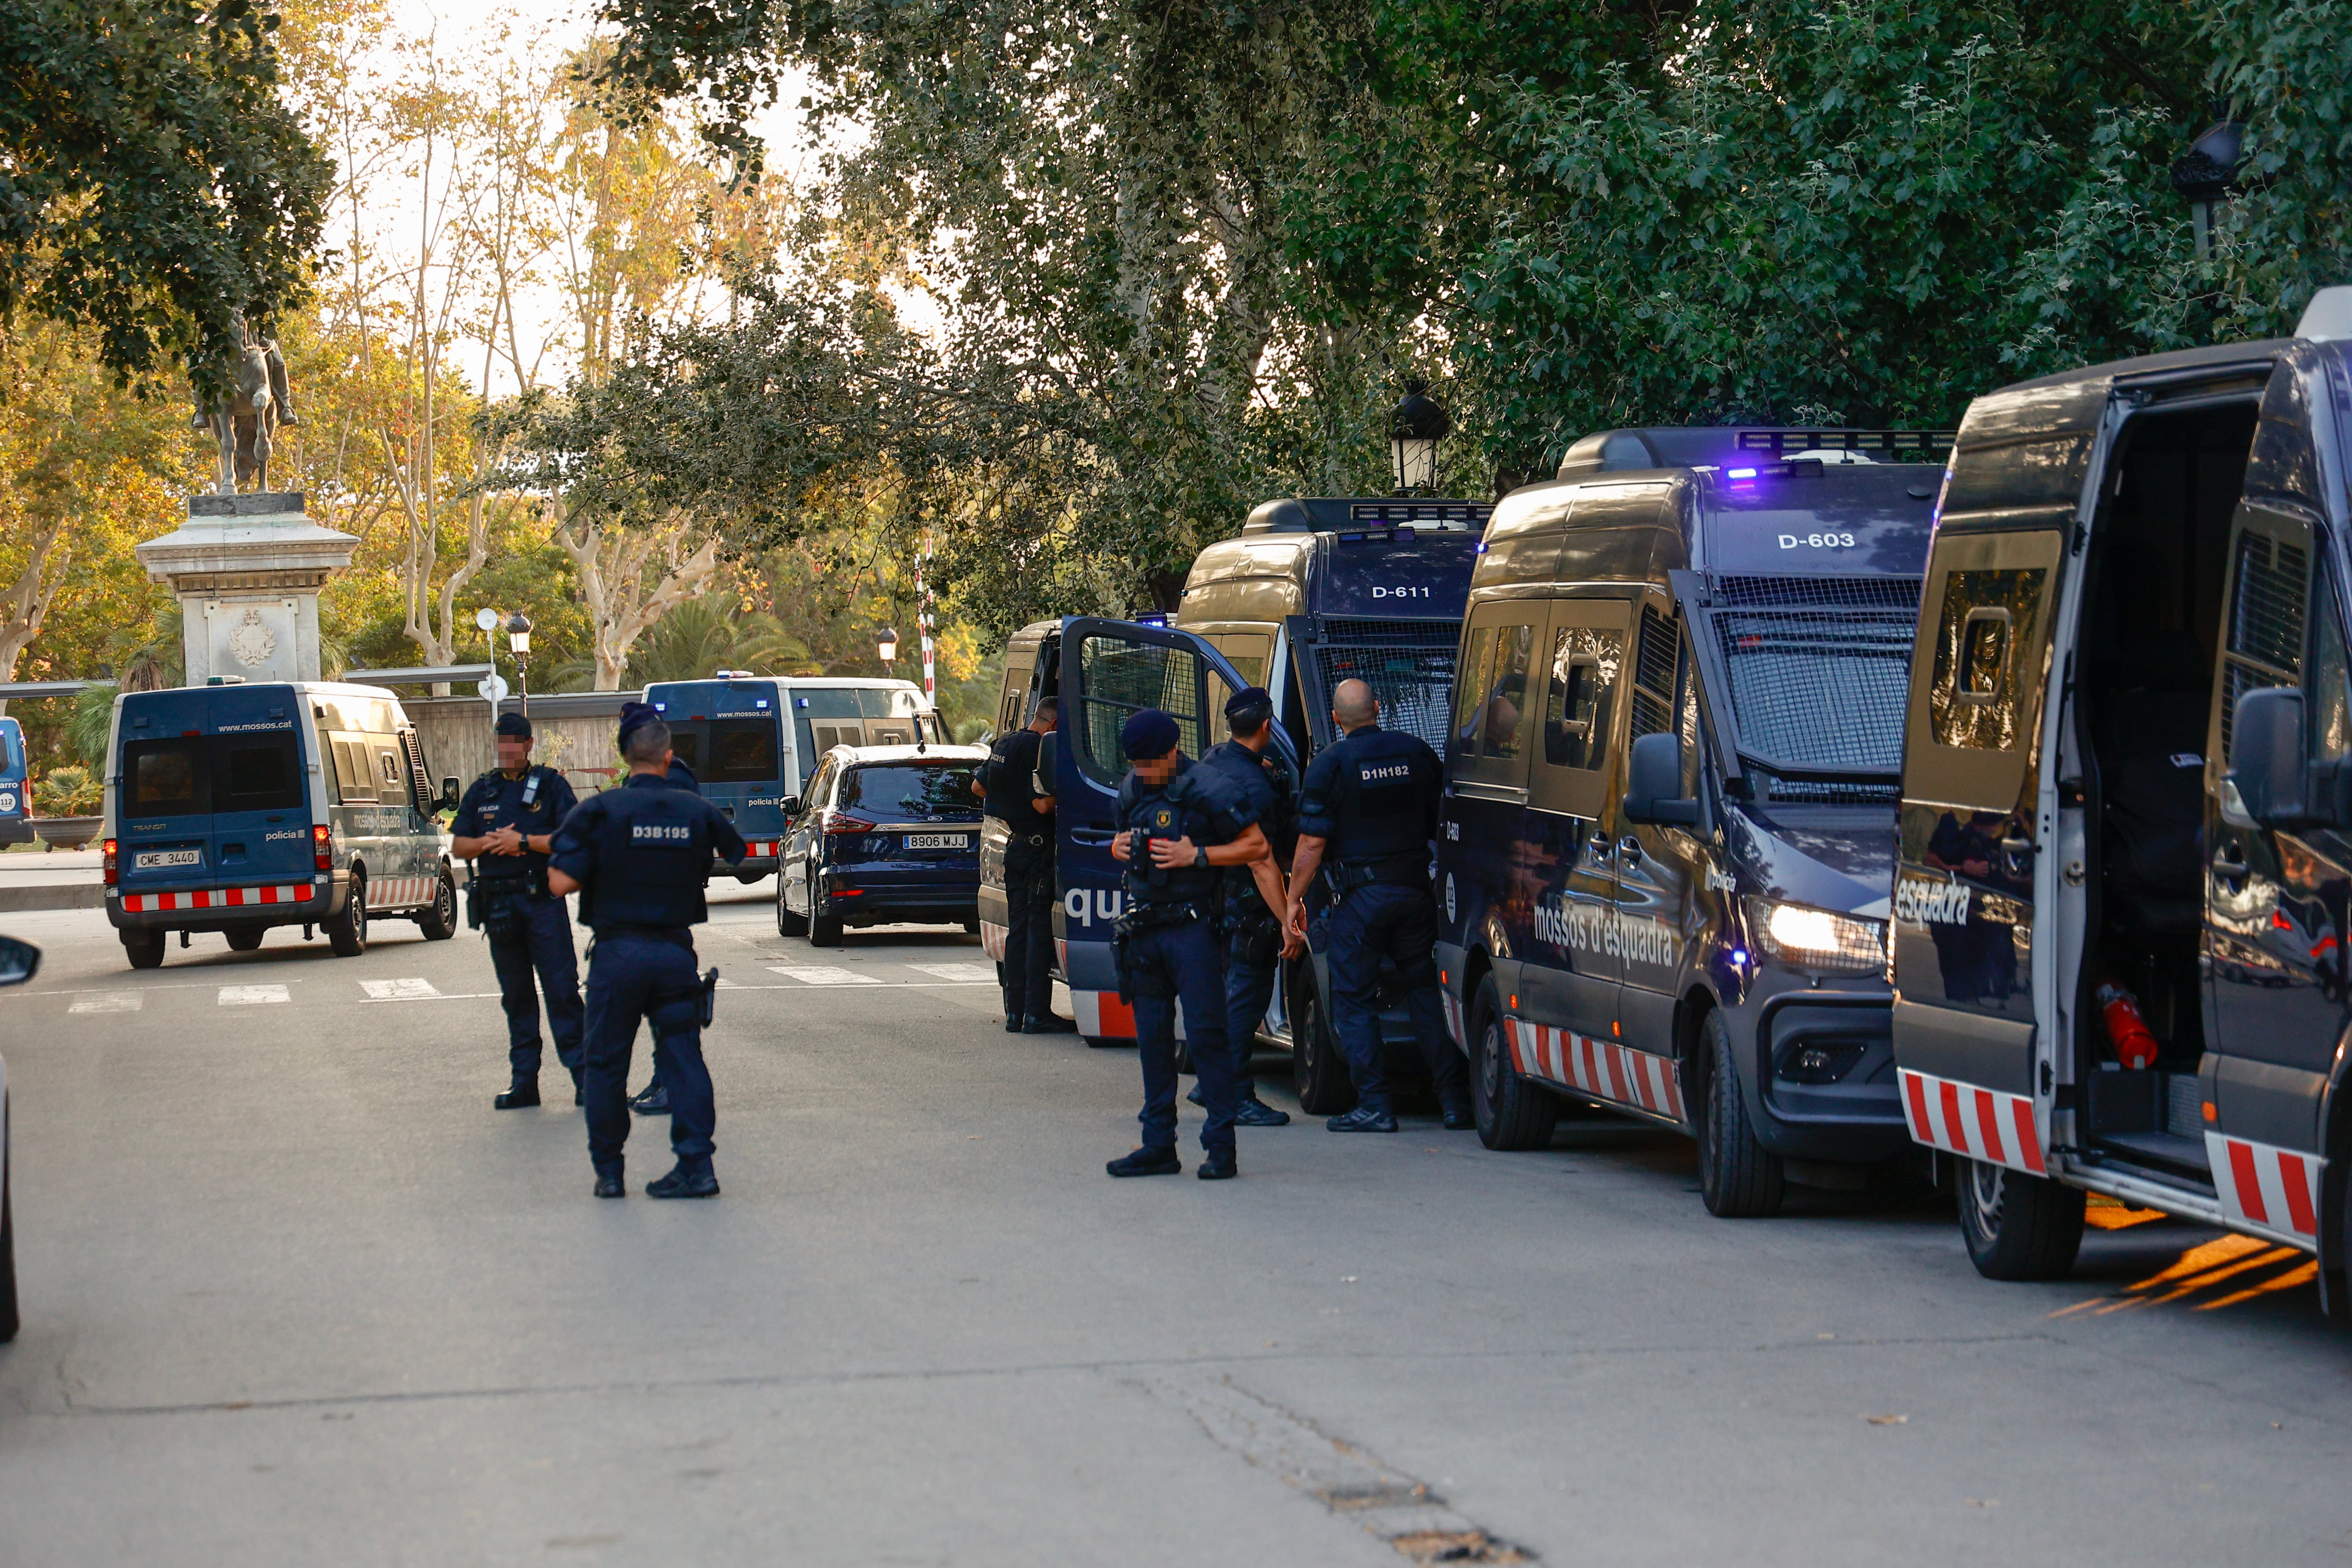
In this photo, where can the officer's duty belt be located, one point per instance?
(676, 936)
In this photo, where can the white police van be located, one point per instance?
(233, 808)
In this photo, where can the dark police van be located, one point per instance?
(15, 786)
(234, 808)
(2121, 914)
(1311, 593)
(1672, 763)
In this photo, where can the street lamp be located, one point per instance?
(2207, 174)
(1414, 429)
(888, 645)
(519, 644)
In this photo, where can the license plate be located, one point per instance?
(939, 841)
(148, 859)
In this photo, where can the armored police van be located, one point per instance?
(16, 785)
(2121, 956)
(751, 765)
(1671, 769)
(234, 808)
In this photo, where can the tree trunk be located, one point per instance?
(632, 578)
(26, 602)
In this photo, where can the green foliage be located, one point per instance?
(67, 791)
(2287, 67)
(87, 725)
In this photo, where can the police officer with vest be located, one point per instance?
(504, 826)
(654, 1099)
(1008, 788)
(1367, 816)
(1257, 936)
(1178, 822)
(638, 856)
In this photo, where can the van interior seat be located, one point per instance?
(2150, 736)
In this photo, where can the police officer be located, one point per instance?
(1178, 822)
(1367, 815)
(639, 856)
(1008, 788)
(503, 826)
(654, 1099)
(1257, 938)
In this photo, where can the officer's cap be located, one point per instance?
(1150, 734)
(633, 716)
(1249, 707)
(514, 725)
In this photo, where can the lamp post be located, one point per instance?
(519, 644)
(1415, 427)
(2207, 174)
(886, 645)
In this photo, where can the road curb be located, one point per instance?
(64, 895)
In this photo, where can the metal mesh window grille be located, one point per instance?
(1391, 633)
(1416, 684)
(1660, 643)
(1820, 792)
(1119, 679)
(1850, 592)
(1818, 688)
(2266, 622)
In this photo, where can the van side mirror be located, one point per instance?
(449, 792)
(2268, 770)
(1049, 762)
(1653, 783)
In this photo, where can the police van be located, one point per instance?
(234, 808)
(731, 731)
(1311, 593)
(1671, 769)
(16, 785)
(2120, 951)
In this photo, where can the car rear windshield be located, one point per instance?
(188, 775)
(909, 789)
(1820, 668)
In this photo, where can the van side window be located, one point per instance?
(1584, 661)
(1506, 717)
(2263, 640)
(1974, 696)
(2331, 680)
(1657, 652)
(1469, 686)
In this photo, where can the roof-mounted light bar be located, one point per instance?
(1779, 441)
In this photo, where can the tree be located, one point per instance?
(151, 184)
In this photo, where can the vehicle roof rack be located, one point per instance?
(1330, 514)
(1703, 446)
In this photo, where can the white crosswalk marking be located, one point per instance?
(251, 995)
(107, 1002)
(974, 974)
(411, 990)
(822, 974)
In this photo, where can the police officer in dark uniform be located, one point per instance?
(1008, 788)
(1178, 824)
(1367, 816)
(654, 1099)
(639, 854)
(503, 826)
(1254, 901)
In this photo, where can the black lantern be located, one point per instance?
(886, 645)
(1414, 429)
(519, 644)
(2207, 174)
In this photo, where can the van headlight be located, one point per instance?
(1817, 941)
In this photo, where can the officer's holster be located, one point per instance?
(1133, 922)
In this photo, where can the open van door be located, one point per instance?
(1111, 670)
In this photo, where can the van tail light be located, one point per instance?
(322, 845)
(113, 873)
(848, 824)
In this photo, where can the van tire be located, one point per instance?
(143, 948)
(438, 919)
(1318, 1071)
(823, 930)
(1512, 1113)
(245, 940)
(1739, 1178)
(347, 933)
(2017, 1227)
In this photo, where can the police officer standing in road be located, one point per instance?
(654, 1099)
(503, 826)
(638, 856)
(1368, 813)
(1008, 788)
(1257, 936)
(1178, 822)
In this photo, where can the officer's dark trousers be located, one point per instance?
(1399, 923)
(1029, 931)
(1164, 964)
(544, 946)
(632, 977)
(1249, 987)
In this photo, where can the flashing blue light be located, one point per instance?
(800, 701)
(1742, 473)
(1739, 956)
(1481, 550)
(661, 706)
(760, 702)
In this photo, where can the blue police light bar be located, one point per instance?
(1781, 441)
(1740, 474)
(759, 703)
(661, 706)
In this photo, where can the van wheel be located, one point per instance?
(7, 1238)
(1512, 1113)
(2019, 1226)
(1739, 1178)
(245, 941)
(787, 922)
(438, 919)
(1318, 1070)
(823, 930)
(144, 949)
(347, 933)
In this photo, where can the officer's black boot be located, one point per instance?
(692, 1179)
(1048, 1023)
(1217, 1165)
(1364, 1119)
(1011, 1022)
(1459, 1117)
(609, 1183)
(654, 1101)
(521, 1095)
(1146, 1163)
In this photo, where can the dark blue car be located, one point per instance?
(885, 834)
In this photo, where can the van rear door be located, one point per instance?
(211, 790)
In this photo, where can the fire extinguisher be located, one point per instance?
(2127, 1031)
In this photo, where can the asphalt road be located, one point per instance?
(294, 1293)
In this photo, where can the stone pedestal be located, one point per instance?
(247, 570)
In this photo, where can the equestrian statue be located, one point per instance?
(257, 404)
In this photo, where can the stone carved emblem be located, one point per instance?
(252, 642)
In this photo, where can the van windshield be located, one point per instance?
(1819, 669)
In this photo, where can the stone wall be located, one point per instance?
(572, 731)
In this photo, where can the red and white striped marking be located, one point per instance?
(1454, 1025)
(215, 898)
(1982, 1123)
(759, 850)
(400, 892)
(1102, 1015)
(992, 939)
(1062, 955)
(2265, 1185)
(1601, 1068)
